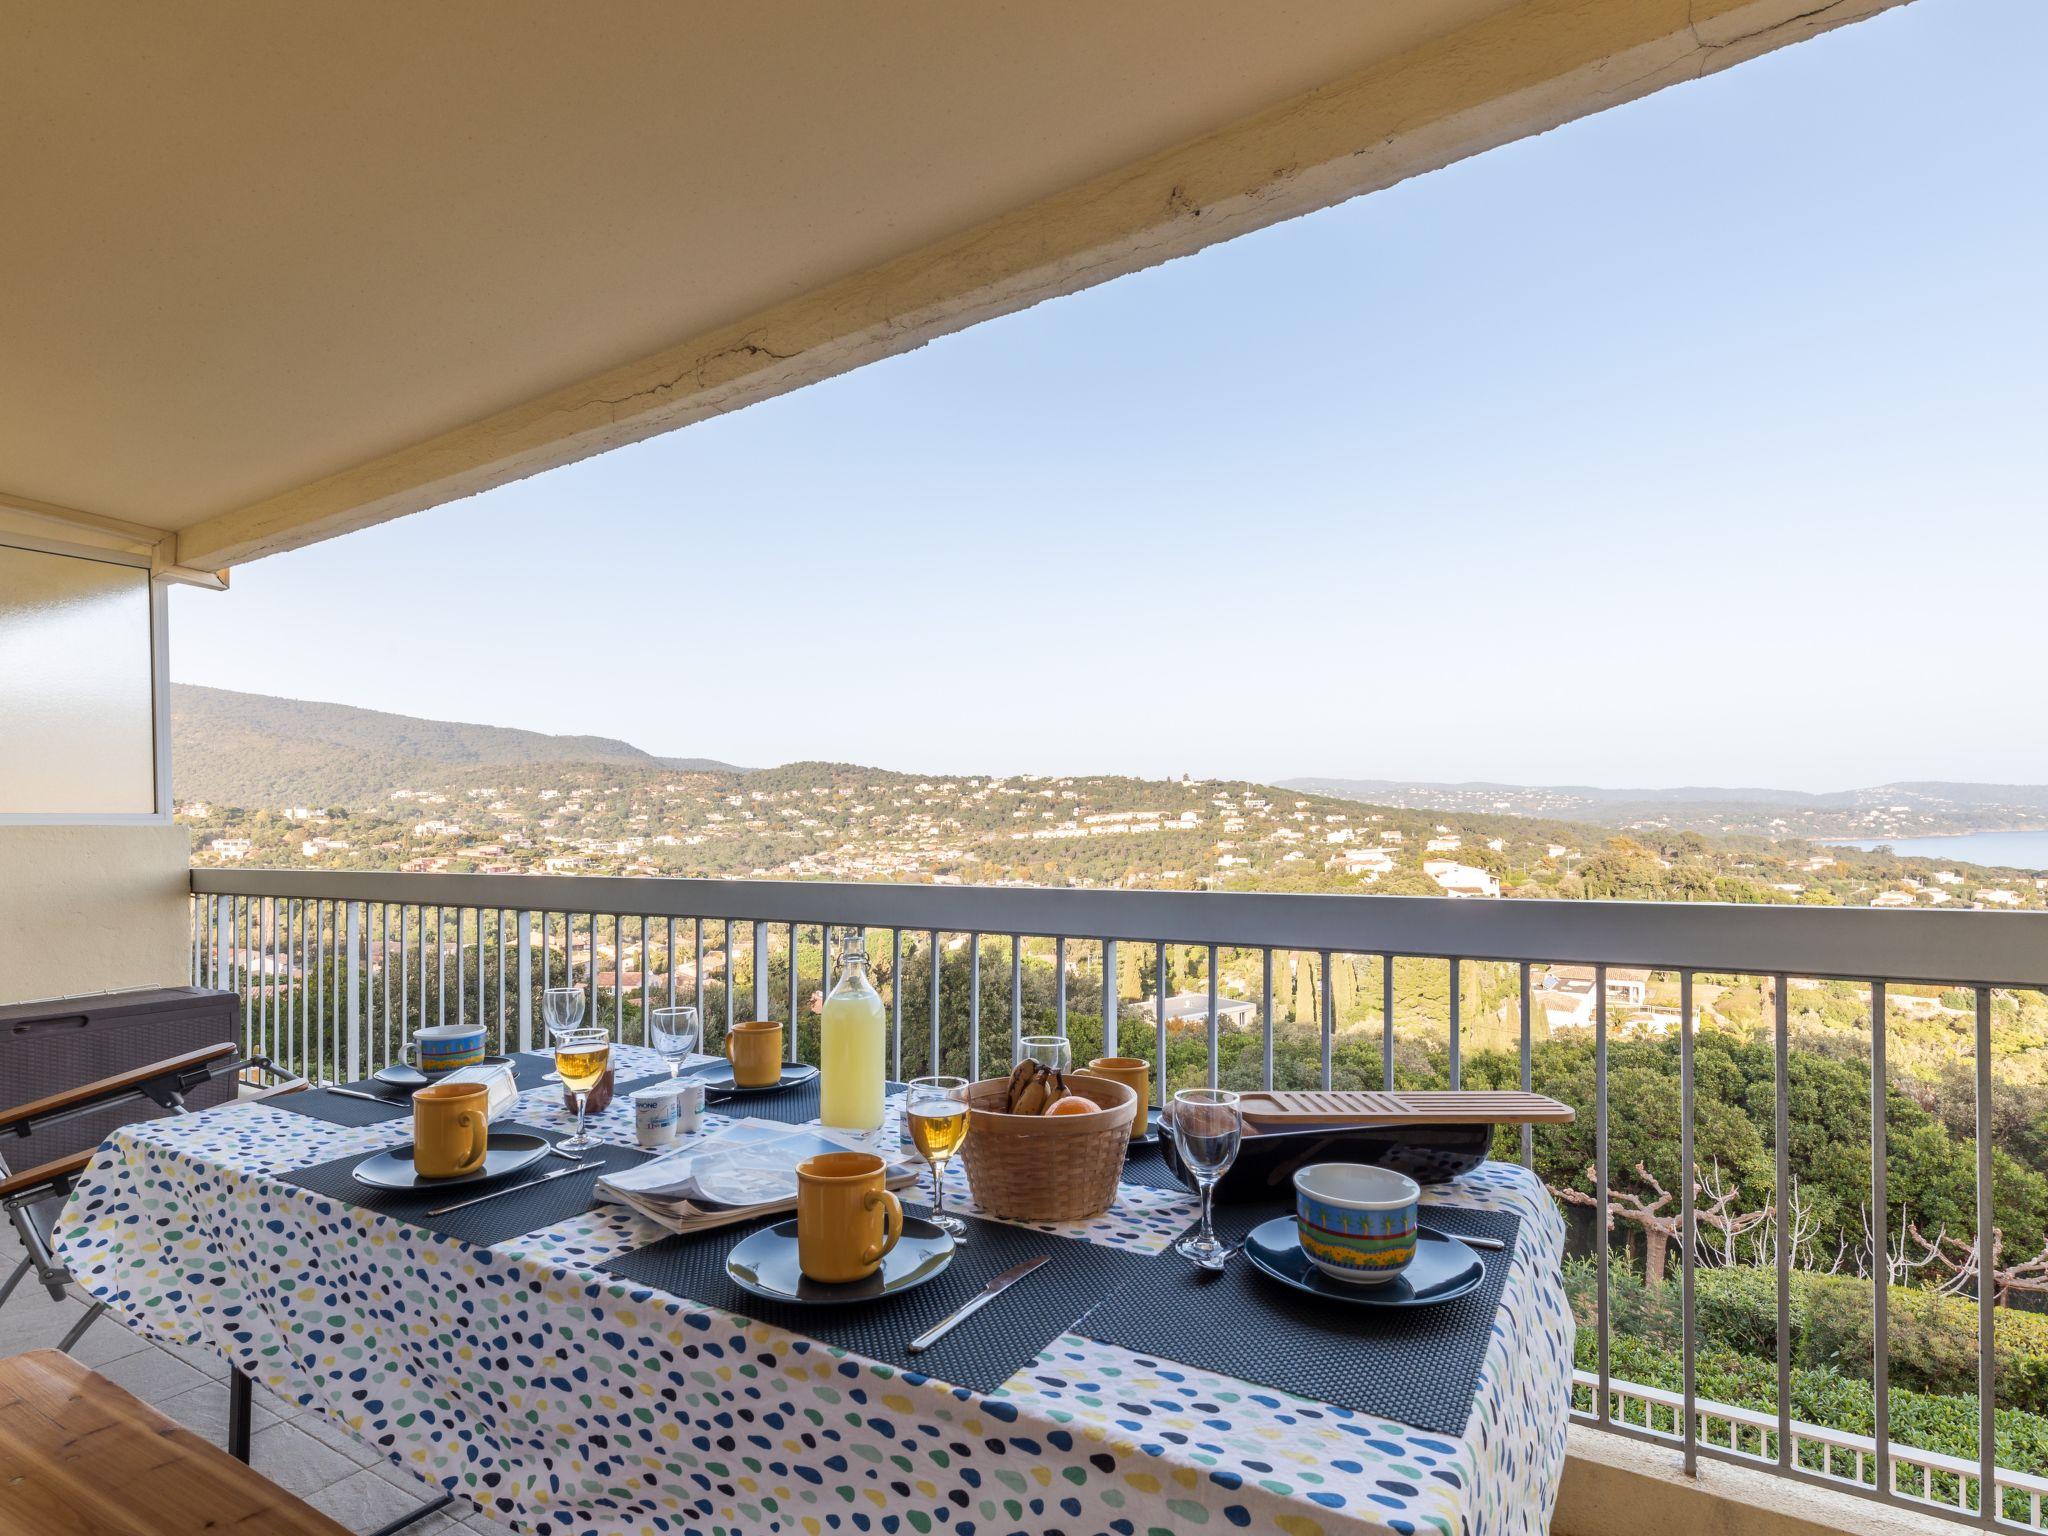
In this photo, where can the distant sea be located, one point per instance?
(2004, 850)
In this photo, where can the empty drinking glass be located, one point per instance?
(1049, 1051)
(560, 1008)
(673, 1032)
(1207, 1127)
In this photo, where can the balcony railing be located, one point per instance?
(336, 968)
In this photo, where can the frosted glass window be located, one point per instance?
(76, 725)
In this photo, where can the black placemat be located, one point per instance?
(342, 1108)
(1416, 1366)
(1146, 1167)
(981, 1353)
(493, 1221)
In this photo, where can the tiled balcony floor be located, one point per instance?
(293, 1447)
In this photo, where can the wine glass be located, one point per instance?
(937, 1110)
(1207, 1127)
(1050, 1051)
(673, 1032)
(581, 1055)
(560, 1008)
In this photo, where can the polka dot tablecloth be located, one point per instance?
(573, 1404)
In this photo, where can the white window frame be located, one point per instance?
(159, 689)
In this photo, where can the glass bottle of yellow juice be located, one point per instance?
(852, 1049)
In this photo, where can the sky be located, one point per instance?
(1698, 442)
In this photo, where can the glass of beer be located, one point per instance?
(581, 1055)
(936, 1108)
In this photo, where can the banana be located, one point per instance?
(1021, 1079)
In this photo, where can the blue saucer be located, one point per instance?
(1443, 1270)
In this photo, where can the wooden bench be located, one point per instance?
(81, 1457)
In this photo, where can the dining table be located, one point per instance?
(593, 1374)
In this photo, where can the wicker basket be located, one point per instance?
(1047, 1167)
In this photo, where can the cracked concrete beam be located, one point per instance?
(1519, 72)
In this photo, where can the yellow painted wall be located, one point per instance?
(92, 909)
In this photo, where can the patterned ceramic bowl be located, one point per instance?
(1356, 1222)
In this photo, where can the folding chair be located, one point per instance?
(35, 1196)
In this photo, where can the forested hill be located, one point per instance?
(251, 749)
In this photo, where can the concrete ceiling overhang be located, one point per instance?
(272, 272)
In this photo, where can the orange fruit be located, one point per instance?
(1072, 1104)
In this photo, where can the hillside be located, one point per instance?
(251, 749)
(1920, 809)
(277, 783)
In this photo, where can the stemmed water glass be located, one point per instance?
(937, 1110)
(560, 1008)
(581, 1055)
(673, 1031)
(1207, 1127)
(1052, 1052)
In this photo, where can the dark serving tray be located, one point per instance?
(1264, 1170)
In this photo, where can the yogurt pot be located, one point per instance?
(654, 1117)
(1356, 1223)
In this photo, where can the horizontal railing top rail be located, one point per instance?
(1945, 948)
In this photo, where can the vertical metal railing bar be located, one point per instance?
(384, 971)
(697, 973)
(668, 963)
(237, 958)
(761, 977)
(1215, 1064)
(441, 962)
(731, 978)
(1781, 1030)
(1266, 1016)
(1457, 1005)
(1159, 1016)
(932, 1061)
(1603, 1314)
(1111, 1013)
(1326, 1007)
(643, 988)
(1059, 982)
(1687, 1235)
(1987, 1291)
(619, 976)
(794, 1053)
(1016, 999)
(974, 1008)
(1387, 1022)
(504, 1013)
(1528, 1063)
(420, 919)
(412, 957)
(461, 976)
(267, 926)
(352, 972)
(896, 1005)
(1880, 1269)
(324, 1030)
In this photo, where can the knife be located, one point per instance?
(513, 1189)
(374, 1098)
(1469, 1239)
(974, 1304)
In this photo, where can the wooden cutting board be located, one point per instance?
(1402, 1107)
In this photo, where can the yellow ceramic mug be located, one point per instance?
(451, 1128)
(846, 1217)
(1135, 1073)
(755, 1051)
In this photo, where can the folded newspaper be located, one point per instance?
(743, 1170)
